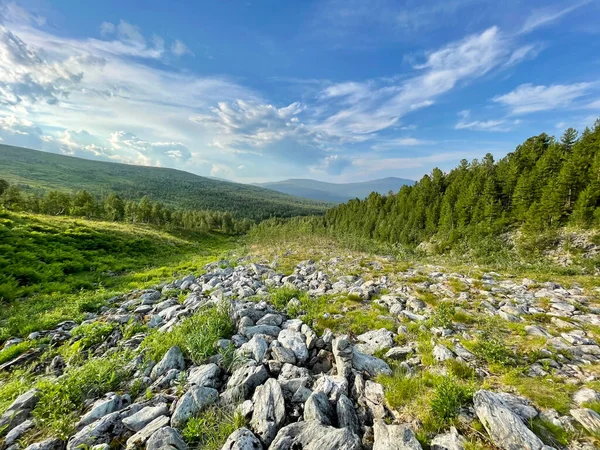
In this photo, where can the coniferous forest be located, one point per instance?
(545, 183)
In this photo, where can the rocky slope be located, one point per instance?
(303, 377)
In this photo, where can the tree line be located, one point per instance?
(114, 208)
(544, 184)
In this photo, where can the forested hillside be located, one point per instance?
(544, 183)
(37, 171)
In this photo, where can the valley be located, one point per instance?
(435, 317)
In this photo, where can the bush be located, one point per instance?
(212, 427)
(196, 336)
(449, 396)
(442, 317)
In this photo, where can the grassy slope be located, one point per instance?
(64, 267)
(41, 170)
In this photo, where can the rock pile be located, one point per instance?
(296, 389)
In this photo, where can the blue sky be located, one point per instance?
(265, 90)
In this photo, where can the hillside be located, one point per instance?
(336, 192)
(48, 171)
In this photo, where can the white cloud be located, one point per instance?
(486, 125)
(178, 48)
(391, 144)
(369, 107)
(542, 17)
(26, 76)
(251, 123)
(594, 105)
(528, 98)
(332, 165)
(107, 28)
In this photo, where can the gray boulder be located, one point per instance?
(206, 375)
(588, 418)
(144, 416)
(507, 429)
(48, 444)
(242, 439)
(101, 431)
(394, 437)
(269, 411)
(294, 341)
(312, 435)
(173, 359)
(448, 441)
(243, 381)
(369, 364)
(317, 407)
(346, 414)
(145, 433)
(195, 400)
(441, 353)
(166, 438)
(586, 395)
(342, 351)
(113, 402)
(15, 434)
(375, 340)
(18, 411)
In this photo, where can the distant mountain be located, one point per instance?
(41, 171)
(336, 192)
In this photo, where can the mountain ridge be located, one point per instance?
(335, 192)
(42, 171)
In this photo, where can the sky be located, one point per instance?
(335, 90)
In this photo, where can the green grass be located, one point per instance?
(15, 350)
(61, 400)
(545, 392)
(211, 428)
(433, 399)
(196, 336)
(280, 297)
(61, 265)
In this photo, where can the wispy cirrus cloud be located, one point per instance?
(371, 106)
(466, 123)
(529, 98)
(548, 15)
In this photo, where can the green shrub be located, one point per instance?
(449, 396)
(211, 428)
(442, 317)
(196, 336)
(549, 433)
